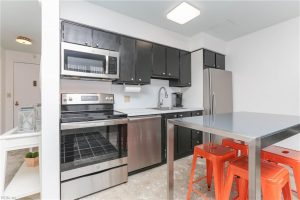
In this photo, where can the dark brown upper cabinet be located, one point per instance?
(106, 40)
(184, 71)
(172, 63)
(209, 59)
(213, 60)
(127, 60)
(143, 64)
(76, 34)
(220, 61)
(159, 61)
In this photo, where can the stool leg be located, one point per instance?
(209, 171)
(243, 189)
(194, 163)
(218, 172)
(286, 190)
(228, 184)
(271, 192)
(296, 171)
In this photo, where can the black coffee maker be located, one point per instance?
(177, 99)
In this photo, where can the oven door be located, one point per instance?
(82, 61)
(88, 147)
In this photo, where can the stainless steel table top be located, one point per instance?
(245, 126)
(258, 129)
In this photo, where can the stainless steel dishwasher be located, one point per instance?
(144, 142)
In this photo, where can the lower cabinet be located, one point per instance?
(184, 138)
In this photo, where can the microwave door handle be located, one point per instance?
(106, 63)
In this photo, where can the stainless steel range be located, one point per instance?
(93, 144)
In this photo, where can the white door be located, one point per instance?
(26, 86)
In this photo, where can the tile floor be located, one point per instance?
(152, 185)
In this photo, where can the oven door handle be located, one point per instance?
(89, 124)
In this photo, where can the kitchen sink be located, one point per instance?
(167, 108)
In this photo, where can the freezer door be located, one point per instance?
(221, 91)
(206, 92)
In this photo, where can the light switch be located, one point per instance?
(126, 99)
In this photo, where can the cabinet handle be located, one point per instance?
(175, 115)
(163, 73)
(86, 43)
(189, 83)
(97, 45)
(169, 74)
(180, 115)
(132, 79)
(140, 79)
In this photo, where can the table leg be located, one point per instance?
(170, 161)
(3, 159)
(254, 170)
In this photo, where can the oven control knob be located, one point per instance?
(111, 98)
(70, 99)
(65, 100)
(107, 98)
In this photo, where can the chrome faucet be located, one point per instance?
(160, 100)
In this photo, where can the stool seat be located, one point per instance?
(216, 155)
(269, 171)
(214, 150)
(237, 145)
(274, 179)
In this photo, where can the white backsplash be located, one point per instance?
(147, 98)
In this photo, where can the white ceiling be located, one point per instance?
(20, 17)
(223, 19)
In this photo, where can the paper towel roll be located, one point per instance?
(132, 88)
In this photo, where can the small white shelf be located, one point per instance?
(26, 182)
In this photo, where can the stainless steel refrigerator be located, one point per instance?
(217, 95)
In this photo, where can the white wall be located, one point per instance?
(204, 40)
(99, 17)
(265, 67)
(50, 73)
(147, 98)
(11, 57)
(1, 92)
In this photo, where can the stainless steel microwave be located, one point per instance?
(88, 62)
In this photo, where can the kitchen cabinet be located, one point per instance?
(209, 58)
(159, 61)
(213, 60)
(220, 61)
(127, 60)
(184, 139)
(172, 63)
(106, 40)
(77, 34)
(197, 136)
(184, 71)
(143, 64)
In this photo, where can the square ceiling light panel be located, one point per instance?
(183, 13)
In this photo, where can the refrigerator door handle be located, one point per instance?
(213, 104)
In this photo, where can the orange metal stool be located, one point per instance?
(274, 179)
(216, 155)
(287, 157)
(237, 145)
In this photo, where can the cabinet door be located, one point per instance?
(105, 40)
(77, 34)
(143, 65)
(185, 68)
(127, 61)
(172, 63)
(196, 138)
(209, 58)
(159, 60)
(184, 138)
(220, 61)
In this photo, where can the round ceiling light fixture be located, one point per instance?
(24, 40)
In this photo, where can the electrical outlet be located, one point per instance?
(126, 99)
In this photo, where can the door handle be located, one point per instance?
(213, 104)
(17, 103)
